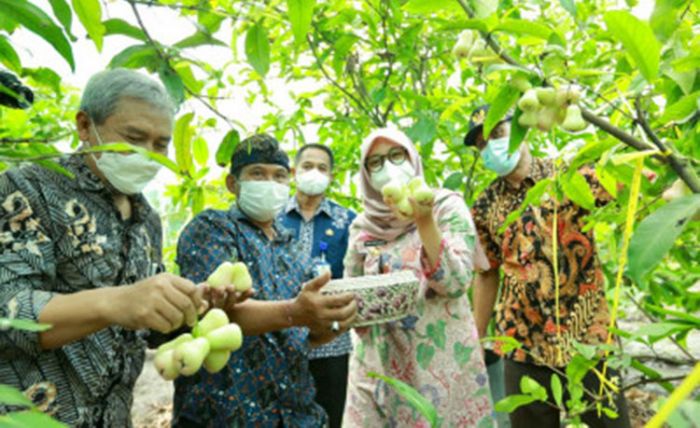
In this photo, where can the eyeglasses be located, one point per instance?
(397, 156)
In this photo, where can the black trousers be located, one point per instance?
(541, 415)
(331, 378)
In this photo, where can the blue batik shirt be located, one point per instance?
(267, 382)
(329, 224)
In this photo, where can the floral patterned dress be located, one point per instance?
(435, 350)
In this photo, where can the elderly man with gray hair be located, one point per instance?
(83, 254)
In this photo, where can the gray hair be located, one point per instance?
(106, 88)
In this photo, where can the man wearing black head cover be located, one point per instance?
(267, 382)
(12, 93)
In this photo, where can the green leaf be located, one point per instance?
(23, 324)
(13, 397)
(506, 343)
(425, 354)
(454, 181)
(517, 132)
(90, 15)
(257, 49)
(569, 6)
(198, 39)
(427, 7)
(577, 369)
(663, 19)
(227, 147)
(681, 110)
(9, 56)
(134, 57)
(173, 83)
(512, 402)
(413, 397)
(300, 13)
(689, 63)
(656, 234)
(533, 197)
(62, 12)
(182, 140)
(576, 188)
(530, 386)
(483, 8)
(201, 151)
(39, 23)
(651, 374)
(638, 39)
(29, 418)
(557, 391)
(659, 330)
(505, 99)
(523, 27)
(118, 26)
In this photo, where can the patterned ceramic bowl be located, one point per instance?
(380, 298)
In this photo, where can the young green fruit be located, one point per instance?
(216, 360)
(221, 277)
(167, 346)
(461, 49)
(415, 183)
(573, 121)
(166, 365)
(393, 191)
(677, 190)
(214, 319)
(404, 207)
(528, 118)
(423, 193)
(546, 118)
(520, 83)
(190, 355)
(228, 337)
(240, 277)
(546, 96)
(529, 102)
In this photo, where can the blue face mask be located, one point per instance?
(497, 159)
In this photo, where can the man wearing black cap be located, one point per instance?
(267, 382)
(527, 307)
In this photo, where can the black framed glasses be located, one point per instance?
(396, 155)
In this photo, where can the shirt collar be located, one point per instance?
(282, 234)
(324, 207)
(84, 178)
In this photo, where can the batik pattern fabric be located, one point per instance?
(267, 383)
(526, 309)
(61, 235)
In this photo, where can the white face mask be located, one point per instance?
(403, 173)
(262, 200)
(129, 174)
(312, 182)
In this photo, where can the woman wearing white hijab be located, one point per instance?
(436, 350)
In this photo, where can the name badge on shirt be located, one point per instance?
(375, 243)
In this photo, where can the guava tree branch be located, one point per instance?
(360, 105)
(675, 162)
(166, 60)
(34, 140)
(678, 164)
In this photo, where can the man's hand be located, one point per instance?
(163, 302)
(318, 312)
(225, 298)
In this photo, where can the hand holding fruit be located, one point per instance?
(229, 285)
(414, 200)
(163, 302)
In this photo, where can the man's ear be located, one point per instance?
(232, 184)
(83, 125)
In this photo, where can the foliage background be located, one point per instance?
(329, 72)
